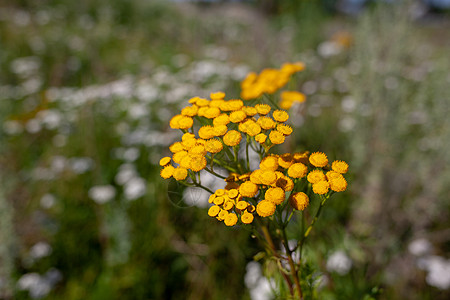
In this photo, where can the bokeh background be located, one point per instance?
(86, 91)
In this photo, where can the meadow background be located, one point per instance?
(86, 91)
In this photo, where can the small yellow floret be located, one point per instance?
(315, 176)
(285, 160)
(188, 143)
(185, 122)
(247, 218)
(232, 138)
(220, 130)
(265, 208)
(180, 173)
(206, 132)
(167, 172)
(173, 123)
(275, 195)
(333, 175)
(299, 201)
(198, 163)
(268, 177)
(318, 159)
(248, 189)
(231, 220)
(284, 129)
(212, 112)
(176, 147)
(213, 146)
(213, 211)
(263, 109)
(228, 205)
(321, 187)
(276, 137)
(338, 184)
(250, 111)
(233, 193)
(202, 102)
(266, 123)
(269, 163)
(219, 192)
(190, 111)
(280, 116)
(217, 96)
(261, 138)
(164, 161)
(297, 170)
(241, 205)
(339, 166)
(198, 150)
(185, 162)
(255, 176)
(285, 183)
(222, 119)
(222, 215)
(219, 200)
(237, 116)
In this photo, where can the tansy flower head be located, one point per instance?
(206, 132)
(333, 175)
(220, 130)
(321, 187)
(232, 105)
(261, 138)
(167, 172)
(213, 211)
(228, 205)
(202, 102)
(241, 205)
(217, 95)
(185, 162)
(177, 157)
(269, 163)
(284, 129)
(219, 200)
(316, 176)
(176, 147)
(180, 173)
(297, 170)
(248, 189)
(301, 157)
(275, 195)
(211, 112)
(173, 123)
(247, 218)
(285, 160)
(276, 137)
(318, 159)
(213, 146)
(190, 111)
(265, 208)
(255, 177)
(233, 193)
(339, 166)
(188, 136)
(198, 150)
(237, 116)
(280, 116)
(198, 163)
(231, 219)
(268, 177)
(266, 123)
(219, 192)
(263, 109)
(222, 119)
(232, 138)
(185, 122)
(164, 161)
(338, 184)
(222, 215)
(249, 111)
(285, 183)
(299, 201)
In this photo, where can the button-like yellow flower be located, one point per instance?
(318, 159)
(333, 175)
(315, 176)
(228, 205)
(185, 122)
(321, 187)
(198, 150)
(213, 211)
(269, 163)
(222, 215)
(233, 193)
(338, 184)
(164, 161)
(276, 137)
(268, 177)
(188, 143)
(255, 176)
(190, 111)
(247, 218)
(220, 130)
(231, 219)
(241, 205)
(211, 112)
(299, 201)
(297, 170)
(280, 116)
(237, 116)
(202, 102)
(219, 200)
(261, 138)
(217, 95)
(198, 163)
(177, 157)
(250, 111)
(248, 189)
(174, 121)
(232, 138)
(222, 119)
(339, 166)
(275, 195)
(180, 173)
(213, 146)
(263, 109)
(266, 123)
(265, 208)
(176, 147)
(185, 162)
(167, 172)
(285, 183)
(284, 129)
(285, 160)
(206, 132)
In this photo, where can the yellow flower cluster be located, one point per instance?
(322, 178)
(229, 207)
(268, 81)
(223, 123)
